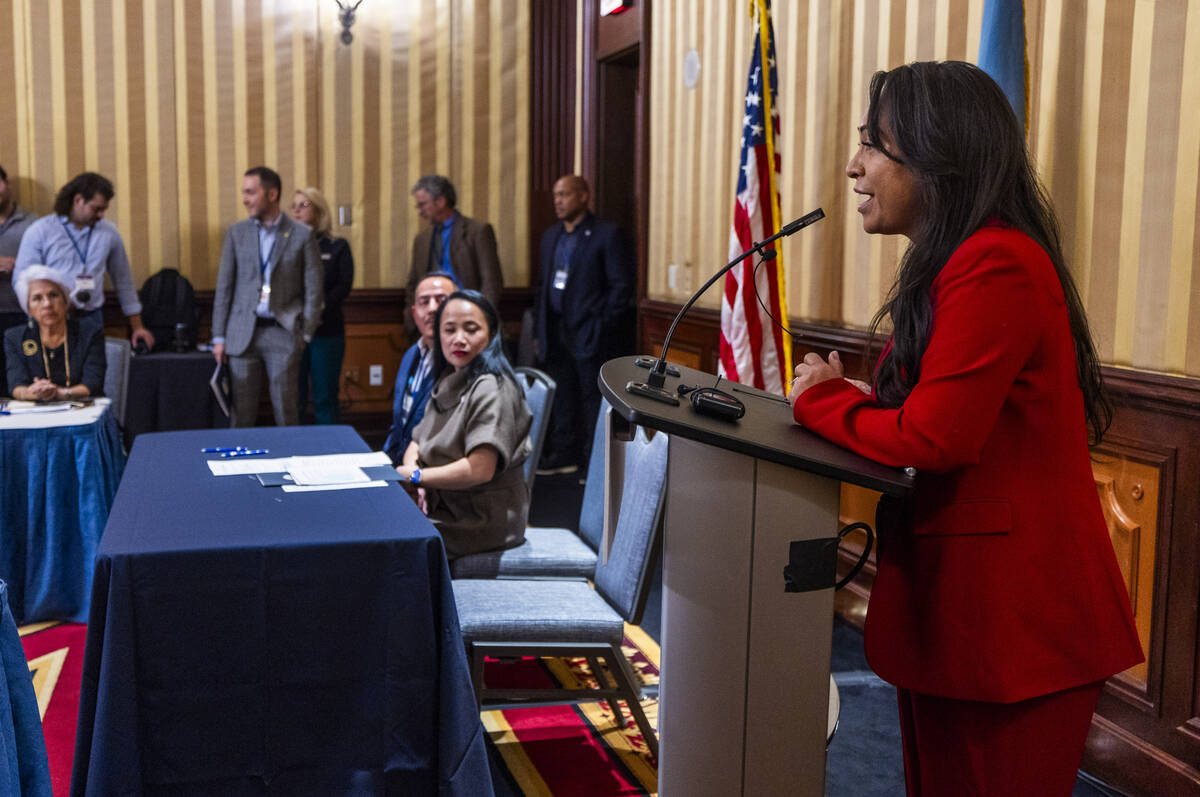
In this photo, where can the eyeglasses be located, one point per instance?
(301, 205)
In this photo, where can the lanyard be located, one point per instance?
(86, 244)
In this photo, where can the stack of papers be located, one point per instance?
(301, 474)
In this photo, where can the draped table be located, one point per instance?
(58, 477)
(169, 391)
(246, 640)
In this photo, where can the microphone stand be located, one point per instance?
(653, 386)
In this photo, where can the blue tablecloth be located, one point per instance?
(24, 769)
(56, 488)
(244, 640)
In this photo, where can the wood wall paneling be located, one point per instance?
(553, 29)
(1129, 481)
(618, 32)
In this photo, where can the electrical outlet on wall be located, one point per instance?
(376, 375)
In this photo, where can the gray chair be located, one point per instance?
(552, 552)
(539, 395)
(117, 354)
(513, 618)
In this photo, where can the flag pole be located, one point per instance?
(764, 29)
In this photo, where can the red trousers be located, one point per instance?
(967, 748)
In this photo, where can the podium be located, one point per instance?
(744, 693)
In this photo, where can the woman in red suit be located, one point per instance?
(998, 610)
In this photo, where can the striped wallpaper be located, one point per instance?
(173, 100)
(1114, 126)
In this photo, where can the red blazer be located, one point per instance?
(1001, 584)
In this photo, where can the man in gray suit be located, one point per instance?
(268, 301)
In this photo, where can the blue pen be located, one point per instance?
(246, 452)
(222, 449)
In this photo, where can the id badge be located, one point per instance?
(560, 279)
(265, 294)
(85, 284)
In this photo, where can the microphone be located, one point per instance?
(653, 386)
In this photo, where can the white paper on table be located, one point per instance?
(60, 406)
(320, 470)
(347, 460)
(308, 488)
(334, 468)
(241, 466)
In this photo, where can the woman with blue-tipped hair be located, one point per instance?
(466, 455)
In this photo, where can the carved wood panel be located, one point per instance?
(1129, 497)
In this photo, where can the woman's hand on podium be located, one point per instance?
(813, 371)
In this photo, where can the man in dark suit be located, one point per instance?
(268, 301)
(461, 246)
(414, 380)
(584, 317)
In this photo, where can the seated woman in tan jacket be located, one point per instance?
(466, 454)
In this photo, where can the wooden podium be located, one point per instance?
(744, 693)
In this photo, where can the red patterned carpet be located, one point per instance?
(556, 750)
(574, 749)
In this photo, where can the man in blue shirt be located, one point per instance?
(414, 380)
(454, 243)
(77, 241)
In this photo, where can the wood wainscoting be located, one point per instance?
(1145, 737)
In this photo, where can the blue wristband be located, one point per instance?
(415, 478)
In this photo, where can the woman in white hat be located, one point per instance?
(47, 358)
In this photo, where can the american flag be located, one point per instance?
(753, 350)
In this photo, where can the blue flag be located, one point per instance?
(1002, 49)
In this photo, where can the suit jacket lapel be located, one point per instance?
(36, 364)
(282, 234)
(247, 246)
(424, 244)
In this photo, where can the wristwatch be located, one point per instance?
(415, 478)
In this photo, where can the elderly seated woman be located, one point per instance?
(48, 359)
(466, 454)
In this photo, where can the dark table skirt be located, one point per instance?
(170, 391)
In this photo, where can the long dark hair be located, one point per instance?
(956, 131)
(489, 361)
(86, 185)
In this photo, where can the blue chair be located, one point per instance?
(539, 396)
(547, 551)
(511, 617)
(24, 768)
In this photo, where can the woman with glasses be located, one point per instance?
(322, 360)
